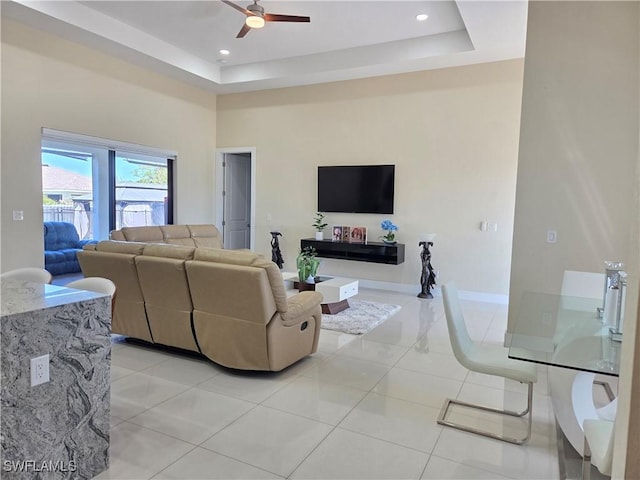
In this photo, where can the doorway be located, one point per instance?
(235, 197)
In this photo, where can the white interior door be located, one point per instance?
(237, 200)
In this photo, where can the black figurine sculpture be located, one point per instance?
(428, 277)
(276, 254)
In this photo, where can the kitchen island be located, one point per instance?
(60, 428)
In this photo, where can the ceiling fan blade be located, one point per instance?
(243, 31)
(275, 17)
(238, 7)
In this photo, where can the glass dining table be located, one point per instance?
(566, 332)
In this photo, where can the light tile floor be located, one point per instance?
(363, 407)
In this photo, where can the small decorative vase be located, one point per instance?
(319, 236)
(389, 242)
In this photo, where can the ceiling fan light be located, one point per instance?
(255, 21)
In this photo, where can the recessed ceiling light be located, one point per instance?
(421, 17)
(224, 52)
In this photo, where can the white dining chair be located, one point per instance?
(582, 284)
(578, 285)
(29, 274)
(598, 447)
(487, 359)
(98, 285)
(94, 284)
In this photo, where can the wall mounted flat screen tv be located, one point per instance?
(356, 188)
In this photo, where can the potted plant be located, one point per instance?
(389, 237)
(319, 225)
(307, 263)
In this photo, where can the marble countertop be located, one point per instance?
(17, 296)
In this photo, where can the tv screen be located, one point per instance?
(356, 188)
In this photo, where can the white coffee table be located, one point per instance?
(335, 291)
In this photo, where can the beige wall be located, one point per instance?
(578, 159)
(50, 82)
(632, 403)
(452, 134)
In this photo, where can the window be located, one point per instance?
(142, 190)
(100, 188)
(67, 188)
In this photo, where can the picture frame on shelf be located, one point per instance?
(358, 235)
(346, 234)
(336, 233)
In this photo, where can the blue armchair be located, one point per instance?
(61, 244)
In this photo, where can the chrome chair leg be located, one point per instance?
(607, 389)
(518, 441)
(586, 461)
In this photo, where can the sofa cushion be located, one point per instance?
(249, 259)
(186, 242)
(233, 257)
(169, 251)
(174, 231)
(112, 246)
(177, 235)
(241, 292)
(206, 236)
(117, 235)
(143, 234)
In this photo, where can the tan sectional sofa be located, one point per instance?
(229, 305)
(189, 235)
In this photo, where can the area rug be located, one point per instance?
(360, 317)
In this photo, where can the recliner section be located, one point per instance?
(230, 305)
(116, 261)
(167, 299)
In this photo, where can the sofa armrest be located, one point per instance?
(301, 306)
(82, 243)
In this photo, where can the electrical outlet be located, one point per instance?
(18, 215)
(552, 236)
(39, 370)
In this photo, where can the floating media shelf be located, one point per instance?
(374, 252)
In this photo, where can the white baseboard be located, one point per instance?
(484, 297)
(415, 289)
(390, 286)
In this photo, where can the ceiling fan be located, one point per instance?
(256, 17)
